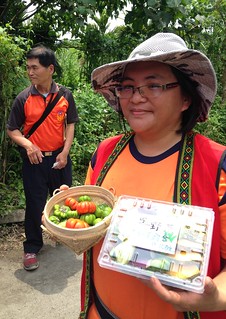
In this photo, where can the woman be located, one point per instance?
(163, 89)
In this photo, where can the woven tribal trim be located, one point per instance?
(185, 171)
(84, 313)
(184, 187)
(191, 315)
(117, 150)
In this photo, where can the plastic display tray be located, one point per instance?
(154, 238)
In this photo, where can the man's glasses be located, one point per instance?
(149, 91)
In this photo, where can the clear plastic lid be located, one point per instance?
(154, 238)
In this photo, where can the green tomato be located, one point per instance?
(84, 198)
(72, 214)
(63, 223)
(98, 211)
(63, 215)
(96, 221)
(107, 211)
(56, 207)
(88, 218)
(57, 213)
(54, 219)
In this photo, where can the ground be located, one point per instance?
(50, 292)
(11, 239)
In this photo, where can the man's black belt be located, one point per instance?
(52, 153)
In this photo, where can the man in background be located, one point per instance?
(45, 151)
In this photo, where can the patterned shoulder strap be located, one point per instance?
(182, 190)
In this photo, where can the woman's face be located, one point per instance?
(153, 114)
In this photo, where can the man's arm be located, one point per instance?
(61, 158)
(33, 152)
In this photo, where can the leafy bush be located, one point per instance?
(97, 121)
(215, 127)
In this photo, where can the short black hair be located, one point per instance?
(45, 55)
(189, 89)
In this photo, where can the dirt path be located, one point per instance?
(50, 292)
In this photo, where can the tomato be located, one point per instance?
(98, 211)
(106, 211)
(71, 222)
(72, 213)
(76, 223)
(92, 207)
(71, 202)
(81, 224)
(56, 207)
(86, 207)
(88, 218)
(63, 215)
(57, 213)
(97, 220)
(62, 224)
(54, 219)
(103, 210)
(84, 198)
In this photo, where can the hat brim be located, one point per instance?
(191, 62)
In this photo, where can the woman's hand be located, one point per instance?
(64, 187)
(182, 300)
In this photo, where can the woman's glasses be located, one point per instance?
(149, 91)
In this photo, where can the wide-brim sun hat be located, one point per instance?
(167, 48)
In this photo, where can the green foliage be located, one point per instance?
(215, 127)
(99, 48)
(97, 121)
(11, 79)
(12, 195)
(71, 64)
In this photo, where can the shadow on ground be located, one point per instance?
(57, 264)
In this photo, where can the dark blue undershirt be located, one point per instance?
(151, 159)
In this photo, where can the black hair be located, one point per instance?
(189, 89)
(46, 57)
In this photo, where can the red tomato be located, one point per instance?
(85, 207)
(81, 224)
(71, 222)
(92, 207)
(76, 223)
(71, 202)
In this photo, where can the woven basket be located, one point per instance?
(79, 240)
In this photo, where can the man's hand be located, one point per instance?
(61, 160)
(34, 154)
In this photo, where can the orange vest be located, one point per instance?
(199, 168)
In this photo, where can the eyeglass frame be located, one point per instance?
(133, 89)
